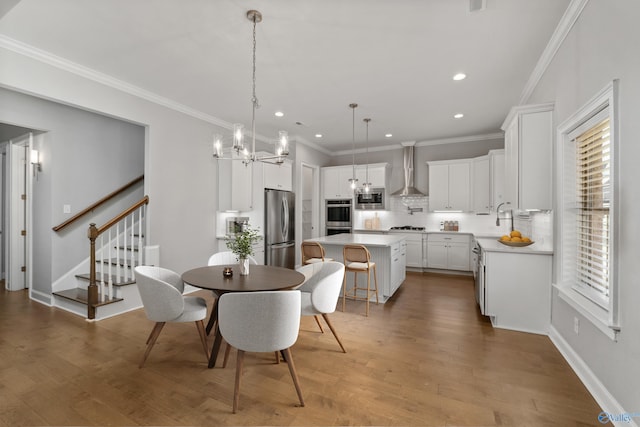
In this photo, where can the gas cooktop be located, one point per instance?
(408, 227)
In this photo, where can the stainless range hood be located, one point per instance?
(408, 190)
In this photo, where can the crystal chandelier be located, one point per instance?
(238, 147)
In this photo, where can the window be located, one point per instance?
(586, 211)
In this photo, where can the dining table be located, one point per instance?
(260, 278)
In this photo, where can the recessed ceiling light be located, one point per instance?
(458, 116)
(388, 135)
(318, 135)
(279, 114)
(460, 76)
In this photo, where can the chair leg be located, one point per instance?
(213, 317)
(368, 290)
(277, 357)
(227, 350)
(203, 337)
(318, 322)
(375, 278)
(292, 369)
(344, 290)
(325, 316)
(151, 341)
(236, 392)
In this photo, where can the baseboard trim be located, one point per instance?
(607, 402)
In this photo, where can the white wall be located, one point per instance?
(602, 46)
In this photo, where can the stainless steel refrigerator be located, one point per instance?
(279, 228)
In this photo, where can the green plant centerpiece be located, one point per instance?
(241, 244)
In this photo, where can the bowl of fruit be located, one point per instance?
(516, 239)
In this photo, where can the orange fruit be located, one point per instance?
(505, 238)
(516, 233)
(526, 239)
(516, 239)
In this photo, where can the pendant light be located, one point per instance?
(366, 185)
(282, 146)
(353, 180)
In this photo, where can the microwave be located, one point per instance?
(373, 200)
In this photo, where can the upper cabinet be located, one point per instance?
(277, 176)
(335, 182)
(528, 157)
(449, 185)
(235, 190)
(377, 174)
(488, 181)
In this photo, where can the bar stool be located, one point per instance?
(358, 260)
(313, 252)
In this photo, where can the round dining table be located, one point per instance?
(260, 278)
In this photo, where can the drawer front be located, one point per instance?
(448, 238)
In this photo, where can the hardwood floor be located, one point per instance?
(426, 357)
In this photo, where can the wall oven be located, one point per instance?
(339, 216)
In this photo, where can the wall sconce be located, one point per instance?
(35, 161)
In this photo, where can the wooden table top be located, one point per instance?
(260, 278)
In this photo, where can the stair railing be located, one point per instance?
(121, 235)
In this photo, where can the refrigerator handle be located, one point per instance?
(285, 218)
(282, 245)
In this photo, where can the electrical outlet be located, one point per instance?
(576, 325)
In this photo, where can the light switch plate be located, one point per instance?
(66, 209)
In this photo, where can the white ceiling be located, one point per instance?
(395, 58)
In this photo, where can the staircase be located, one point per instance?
(109, 287)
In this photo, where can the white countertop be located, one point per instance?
(492, 245)
(359, 239)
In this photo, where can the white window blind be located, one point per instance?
(594, 189)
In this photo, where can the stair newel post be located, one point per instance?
(93, 288)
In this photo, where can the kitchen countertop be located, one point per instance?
(492, 245)
(359, 239)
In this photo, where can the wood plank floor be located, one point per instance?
(425, 358)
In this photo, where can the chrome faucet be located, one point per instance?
(498, 215)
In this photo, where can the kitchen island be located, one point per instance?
(387, 251)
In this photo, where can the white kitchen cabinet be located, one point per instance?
(449, 251)
(335, 182)
(414, 248)
(517, 290)
(278, 176)
(488, 181)
(481, 184)
(235, 190)
(377, 175)
(528, 156)
(449, 185)
(398, 265)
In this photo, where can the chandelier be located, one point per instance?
(239, 150)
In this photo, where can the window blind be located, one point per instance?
(593, 155)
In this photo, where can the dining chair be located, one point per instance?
(161, 293)
(357, 259)
(264, 321)
(320, 292)
(313, 252)
(224, 258)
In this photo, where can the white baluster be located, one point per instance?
(132, 258)
(140, 238)
(101, 289)
(118, 249)
(125, 261)
(109, 272)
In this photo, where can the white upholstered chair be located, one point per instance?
(320, 292)
(161, 293)
(260, 322)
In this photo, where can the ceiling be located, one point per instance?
(395, 58)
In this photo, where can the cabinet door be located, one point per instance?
(277, 176)
(481, 184)
(241, 189)
(437, 255)
(511, 164)
(535, 154)
(438, 187)
(458, 256)
(335, 182)
(459, 186)
(497, 179)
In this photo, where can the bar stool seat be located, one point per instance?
(357, 259)
(313, 252)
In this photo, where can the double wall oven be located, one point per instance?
(339, 216)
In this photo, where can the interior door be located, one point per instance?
(16, 219)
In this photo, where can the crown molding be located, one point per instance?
(314, 146)
(557, 38)
(104, 79)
